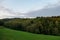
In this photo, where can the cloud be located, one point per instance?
(1, 1)
(4, 13)
(7, 13)
(49, 10)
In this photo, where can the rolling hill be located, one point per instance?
(9, 34)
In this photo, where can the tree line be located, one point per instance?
(38, 25)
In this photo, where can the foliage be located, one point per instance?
(39, 25)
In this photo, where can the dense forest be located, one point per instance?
(38, 25)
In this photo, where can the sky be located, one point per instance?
(27, 5)
(25, 8)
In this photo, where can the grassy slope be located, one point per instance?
(8, 34)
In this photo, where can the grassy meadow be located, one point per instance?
(9, 34)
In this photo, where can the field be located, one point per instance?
(9, 34)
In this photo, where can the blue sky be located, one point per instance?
(27, 5)
(29, 8)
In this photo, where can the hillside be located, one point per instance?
(8, 34)
(38, 25)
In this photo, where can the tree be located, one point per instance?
(1, 22)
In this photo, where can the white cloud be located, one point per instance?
(6, 13)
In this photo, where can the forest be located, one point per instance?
(38, 25)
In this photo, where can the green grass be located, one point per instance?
(8, 34)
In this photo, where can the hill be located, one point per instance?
(9, 34)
